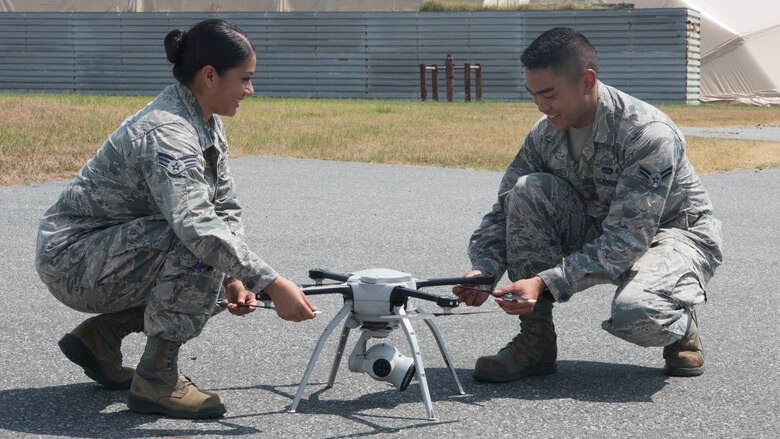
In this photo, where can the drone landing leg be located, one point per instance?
(415, 347)
(317, 350)
(444, 353)
(339, 352)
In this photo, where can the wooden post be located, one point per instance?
(449, 74)
(467, 81)
(422, 82)
(479, 82)
(435, 82)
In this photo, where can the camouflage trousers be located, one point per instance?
(179, 293)
(547, 220)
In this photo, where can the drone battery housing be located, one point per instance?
(371, 290)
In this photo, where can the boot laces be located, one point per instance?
(520, 340)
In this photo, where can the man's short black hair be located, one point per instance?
(563, 50)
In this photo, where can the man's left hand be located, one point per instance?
(528, 290)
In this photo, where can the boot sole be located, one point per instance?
(683, 372)
(79, 353)
(535, 371)
(140, 404)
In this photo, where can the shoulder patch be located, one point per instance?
(655, 178)
(176, 166)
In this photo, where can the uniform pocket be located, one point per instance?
(672, 268)
(190, 289)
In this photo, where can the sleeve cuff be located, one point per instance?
(488, 266)
(261, 280)
(556, 283)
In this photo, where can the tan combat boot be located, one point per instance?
(684, 358)
(533, 351)
(96, 343)
(159, 388)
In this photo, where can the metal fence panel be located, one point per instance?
(650, 53)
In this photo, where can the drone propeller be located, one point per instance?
(473, 280)
(249, 305)
(320, 273)
(264, 306)
(314, 290)
(445, 314)
(428, 315)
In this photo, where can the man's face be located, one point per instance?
(563, 101)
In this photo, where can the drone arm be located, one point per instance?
(400, 294)
(319, 274)
(474, 280)
(344, 290)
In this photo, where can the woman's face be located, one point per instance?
(230, 87)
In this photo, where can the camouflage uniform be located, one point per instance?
(151, 220)
(631, 212)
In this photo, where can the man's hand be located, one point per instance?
(472, 295)
(237, 295)
(290, 302)
(528, 289)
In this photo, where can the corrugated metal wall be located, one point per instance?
(651, 53)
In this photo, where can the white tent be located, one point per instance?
(739, 46)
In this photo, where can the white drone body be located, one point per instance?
(374, 307)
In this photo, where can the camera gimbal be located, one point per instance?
(377, 301)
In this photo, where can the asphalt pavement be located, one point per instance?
(346, 217)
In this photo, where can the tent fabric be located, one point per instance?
(739, 41)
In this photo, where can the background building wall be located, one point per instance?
(651, 53)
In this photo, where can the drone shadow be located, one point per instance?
(578, 380)
(357, 410)
(86, 411)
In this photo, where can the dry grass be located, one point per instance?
(710, 156)
(722, 115)
(46, 137)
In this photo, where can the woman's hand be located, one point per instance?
(290, 302)
(237, 296)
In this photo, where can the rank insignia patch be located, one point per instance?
(177, 166)
(655, 177)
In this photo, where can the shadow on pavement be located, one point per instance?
(88, 411)
(581, 381)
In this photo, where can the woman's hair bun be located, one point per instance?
(174, 45)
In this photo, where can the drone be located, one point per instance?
(376, 301)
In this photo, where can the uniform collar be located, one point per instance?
(203, 128)
(603, 120)
(601, 131)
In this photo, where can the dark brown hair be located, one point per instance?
(563, 50)
(213, 42)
